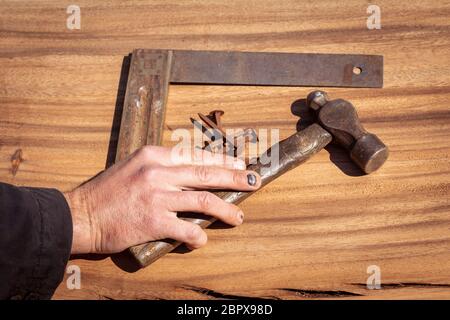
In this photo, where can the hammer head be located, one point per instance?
(339, 117)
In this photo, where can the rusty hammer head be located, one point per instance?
(339, 117)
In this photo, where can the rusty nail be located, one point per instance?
(216, 115)
(211, 123)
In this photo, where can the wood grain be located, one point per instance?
(310, 234)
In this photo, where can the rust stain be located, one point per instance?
(16, 160)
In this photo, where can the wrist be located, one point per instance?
(82, 239)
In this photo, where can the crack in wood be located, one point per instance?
(16, 160)
(406, 285)
(321, 293)
(220, 295)
(300, 292)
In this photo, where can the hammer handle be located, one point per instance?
(292, 152)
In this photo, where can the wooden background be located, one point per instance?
(310, 234)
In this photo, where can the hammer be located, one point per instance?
(336, 120)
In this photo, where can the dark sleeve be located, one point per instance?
(35, 241)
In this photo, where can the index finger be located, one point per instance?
(177, 156)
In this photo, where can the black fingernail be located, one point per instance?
(241, 216)
(251, 179)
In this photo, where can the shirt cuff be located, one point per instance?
(52, 234)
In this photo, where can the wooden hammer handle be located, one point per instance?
(292, 152)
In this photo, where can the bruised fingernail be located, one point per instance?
(251, 179)
(241, 216)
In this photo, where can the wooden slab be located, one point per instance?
(61, 92)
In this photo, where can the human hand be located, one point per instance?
(136, 200)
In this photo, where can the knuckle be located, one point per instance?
(205, 200)
(146, 173)
(203, 174)
(149, 174)
(232, 211)
(145, 152)
(236, 178)
(194, 234)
